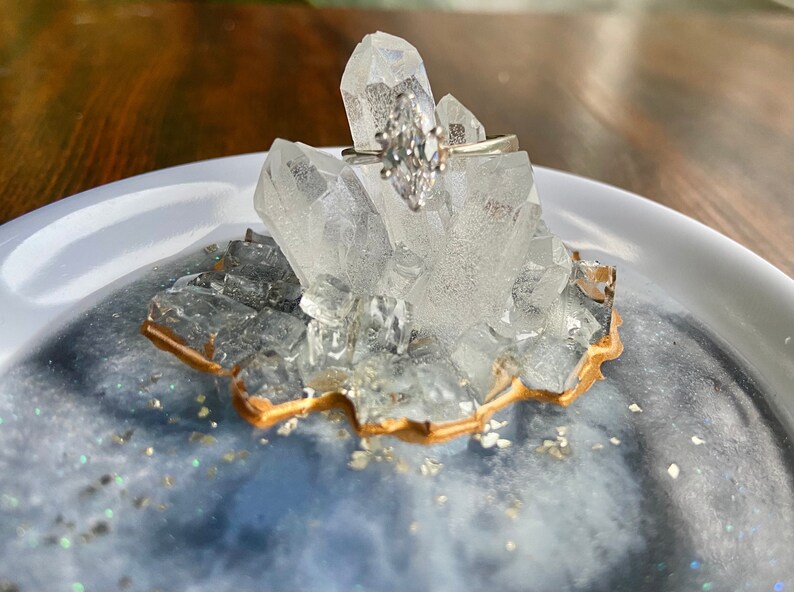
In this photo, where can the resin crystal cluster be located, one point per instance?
(417, 323)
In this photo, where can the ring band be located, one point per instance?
(413, 156)
(491, 146)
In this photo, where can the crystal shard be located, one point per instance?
(384, 325)
(240, 253)
(471, 276)
(196, 315)
(240, 288)
(381, 68)
(321, 215)
(386, 386)
(268, 375)
(268, 330)
(383, 386)
(546, 272)
(596, 283)
(286, 297)
(443, 393)
(461, 125)
(481, 354)
(329, 300)
(401, 274)
(327, 354)
(549, 363)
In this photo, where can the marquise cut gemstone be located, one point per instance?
(412, 158)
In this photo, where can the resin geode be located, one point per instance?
(419, 324)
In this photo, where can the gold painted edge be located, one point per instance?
(165, 339)
(507, 390)
(262, 413)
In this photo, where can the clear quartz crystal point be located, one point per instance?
(321, 216)
(421, 232)
(546, 272)
(473, 272)
(401, 274)
(382, 67)
(461, 126)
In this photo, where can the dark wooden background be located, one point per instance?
(693, 110)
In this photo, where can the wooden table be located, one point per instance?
(695, 111)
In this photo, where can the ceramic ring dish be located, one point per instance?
(121, 466)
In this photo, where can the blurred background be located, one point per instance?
(468, 5)
(560, 5)
(687, 102)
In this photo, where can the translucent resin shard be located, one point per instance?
(285, 296)
(327, 357)
(268, 375)
(240, 254)
(387, 387)
(461, 125)
(196, 315)
(270, 330)
(445, 395)
(329, 300)
(549, 363)
(481, 355)
(402, 273)
(321, 215)
(545, 273)
(237, 287)
(597, 286)
(383, 387)
(472, 274)
(384, 324)
(381, 68)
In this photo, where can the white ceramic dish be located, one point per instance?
(63, 257)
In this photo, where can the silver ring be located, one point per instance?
(412, 158)
(491, 146)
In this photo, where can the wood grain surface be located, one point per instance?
(695, 111)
